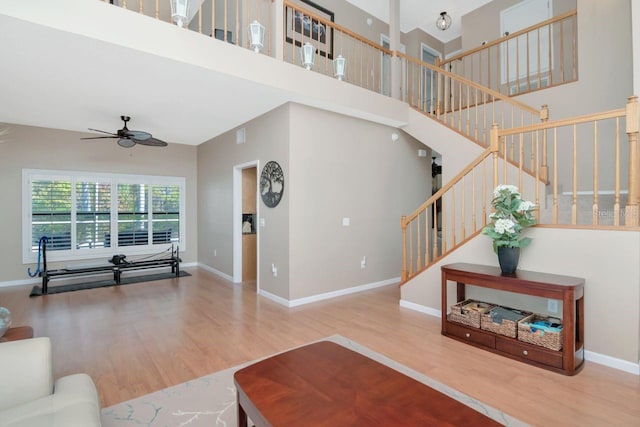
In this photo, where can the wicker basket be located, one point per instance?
(533, 334)
(492, 321)
(468, 312)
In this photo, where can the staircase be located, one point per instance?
(572, 168)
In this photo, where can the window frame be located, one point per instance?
(29, 175)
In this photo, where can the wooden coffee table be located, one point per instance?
(325, 384)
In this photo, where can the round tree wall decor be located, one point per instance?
(271, 184)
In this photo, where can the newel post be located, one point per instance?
(403, 226)
(544, 166)
(495, 148)
(632, 211)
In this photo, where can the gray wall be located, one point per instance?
(335, 166)
(346, 168)
(267, 138)
(26, 147)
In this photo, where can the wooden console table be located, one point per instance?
(570, 290)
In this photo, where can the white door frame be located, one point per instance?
(385, 39)
(427, 103)
(237, 222)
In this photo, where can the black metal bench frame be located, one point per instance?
(116, 269)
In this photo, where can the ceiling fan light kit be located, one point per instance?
(128, 138)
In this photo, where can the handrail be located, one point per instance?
(509, 37)
(362, 64)
(335, 26)
(438, 194)
(494, 94)
(540, 56)
(612, 114)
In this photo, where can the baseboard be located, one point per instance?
(421, 308)
(213, 270)
(327, 295)
(34, 281)
(612, 362)
(601, 359)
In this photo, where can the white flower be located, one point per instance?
(525, 206)
(511, 189)
(503, 226)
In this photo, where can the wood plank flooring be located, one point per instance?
(139, 338)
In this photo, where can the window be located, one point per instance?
(89, 215)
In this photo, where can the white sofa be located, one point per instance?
(30, 398)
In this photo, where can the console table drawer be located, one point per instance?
(548, 357)
(471, 335)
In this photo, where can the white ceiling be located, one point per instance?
(55, 79)
(423, 14)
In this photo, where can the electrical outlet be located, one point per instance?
(215, 252)
(552, 305)
(363, 262)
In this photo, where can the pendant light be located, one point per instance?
(444, 21)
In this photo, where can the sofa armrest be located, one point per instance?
(26, 371)
(74, 403)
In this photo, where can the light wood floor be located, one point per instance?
(139, 338)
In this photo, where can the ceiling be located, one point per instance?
(423, 14)
(55, 79)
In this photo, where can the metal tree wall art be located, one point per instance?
(271, 184)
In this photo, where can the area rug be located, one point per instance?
(211, 400)
(37, 290)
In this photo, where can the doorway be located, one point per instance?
(246, 239)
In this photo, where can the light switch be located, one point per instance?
(346, 222)
(262, 223)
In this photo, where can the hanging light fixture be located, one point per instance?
(339, 67)
(444, 21)
(180, 12)
(308, 53)
(256, 36)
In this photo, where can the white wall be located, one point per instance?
(608, 260)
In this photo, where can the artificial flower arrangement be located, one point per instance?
(511, 215)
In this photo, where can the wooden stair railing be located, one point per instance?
(464, 106)
(585, 152)
(541, 56)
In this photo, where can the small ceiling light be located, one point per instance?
(339, 67)
(180, 12)
(444, 21)
(256, 36)
(308, 52)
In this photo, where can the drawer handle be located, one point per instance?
(468, 335)
(525, 352)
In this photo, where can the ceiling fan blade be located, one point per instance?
(152, 142)
(99, 137)
(138, 135)
(102, 131)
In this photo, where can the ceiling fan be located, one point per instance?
(128, 138)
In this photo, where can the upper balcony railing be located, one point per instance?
(534, 58)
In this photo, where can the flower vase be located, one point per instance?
(508, 259)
